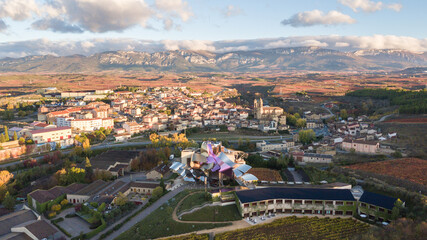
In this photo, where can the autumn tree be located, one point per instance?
(15, 136)
(88, 168)
(56, 207)
(343, 114)
(5, 177)
(6, 134)
(121, 199)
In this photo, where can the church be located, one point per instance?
(267, 113)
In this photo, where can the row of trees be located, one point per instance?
(178, 140)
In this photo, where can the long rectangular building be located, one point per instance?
(262, 201)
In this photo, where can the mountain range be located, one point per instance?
(278, 59)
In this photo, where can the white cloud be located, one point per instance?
(92, 46)
(95, 15)
(342, 44)
(395, 6)
(231, 11)
(369, 6)
(317, 17)
(175, 8)
(18, 10)
(188, 44)
(106, 15)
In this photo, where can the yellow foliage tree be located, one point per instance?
(56, 207)
(64, 202)
(5, 177)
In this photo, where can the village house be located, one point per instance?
(361, 146)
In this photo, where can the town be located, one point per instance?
(113, 163)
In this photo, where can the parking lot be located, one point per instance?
(75, 226)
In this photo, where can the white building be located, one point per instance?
(61, 135)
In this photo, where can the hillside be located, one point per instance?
(279, 59)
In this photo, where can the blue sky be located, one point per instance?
(87, 26)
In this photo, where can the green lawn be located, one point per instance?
(160, 223)
(193, 200)
(214, 214)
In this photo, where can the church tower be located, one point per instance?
(258, 108)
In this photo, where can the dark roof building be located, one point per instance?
(262, 194)
(378, 200)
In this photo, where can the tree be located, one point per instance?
(162, 184)
(9, 202)
(157, 192)
(101, 207)
(56, 207)
(64, 202)
(21, 141)
(5, 177)
(121, 199)
(2, 138)
(15, 136)
(343, 114)
(300, 123)
(306, 136)
(6, 133)
(395, 212)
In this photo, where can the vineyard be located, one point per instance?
(190, 237)
(265, 174)
(300, 228)
(412, 169)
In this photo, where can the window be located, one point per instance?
(270, 201)
(363, 204)
(288, 201)
(382, 209)
(339, 203)
(329, 202)
(298, 201)
(319, 202)
(246, 205)
(349, 203)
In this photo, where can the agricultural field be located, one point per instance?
(412, 169)
(265, 174)
(411, 137)
(190, 237)
(214, 214)
(300, 228)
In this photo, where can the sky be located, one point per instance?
(66, 27)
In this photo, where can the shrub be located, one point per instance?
(52, 214)
(64, 202)
(56, 208)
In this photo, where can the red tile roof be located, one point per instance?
(49, 130)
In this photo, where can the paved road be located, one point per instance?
(329, 110)
(146, 212)
(384, 118)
